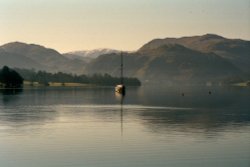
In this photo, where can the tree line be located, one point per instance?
(44, 77)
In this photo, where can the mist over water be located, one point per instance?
(150, 126)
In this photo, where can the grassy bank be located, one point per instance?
(242, 84)
(56, 84)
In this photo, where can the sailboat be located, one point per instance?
(121, 87)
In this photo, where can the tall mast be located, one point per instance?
(121, 68)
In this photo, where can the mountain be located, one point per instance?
(88, 55)
(17, 60)
(177, 60)
(167, 63)
(22, 55)
(236, 51)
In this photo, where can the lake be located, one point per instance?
(149, 127)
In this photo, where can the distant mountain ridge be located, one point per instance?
(203, 58)
(22, 55)
(235, 50)
(94, 53)
(169, 63)
(88, 55)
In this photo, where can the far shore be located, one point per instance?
(29, 84)
(56, 84)
(242, 84)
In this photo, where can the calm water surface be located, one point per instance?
(150, 127)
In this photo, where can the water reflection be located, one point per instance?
(195, 97)
(10, 95)
(149, 127)
(204, 121)
(120, 97)
(158, 109)
(14, 113)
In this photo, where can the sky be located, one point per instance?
(69, 25)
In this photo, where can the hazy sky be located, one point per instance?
(68, 25)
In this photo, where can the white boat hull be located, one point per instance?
(120, 89)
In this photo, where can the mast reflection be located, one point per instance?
(120, 97)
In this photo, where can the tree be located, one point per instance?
(10, 78)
